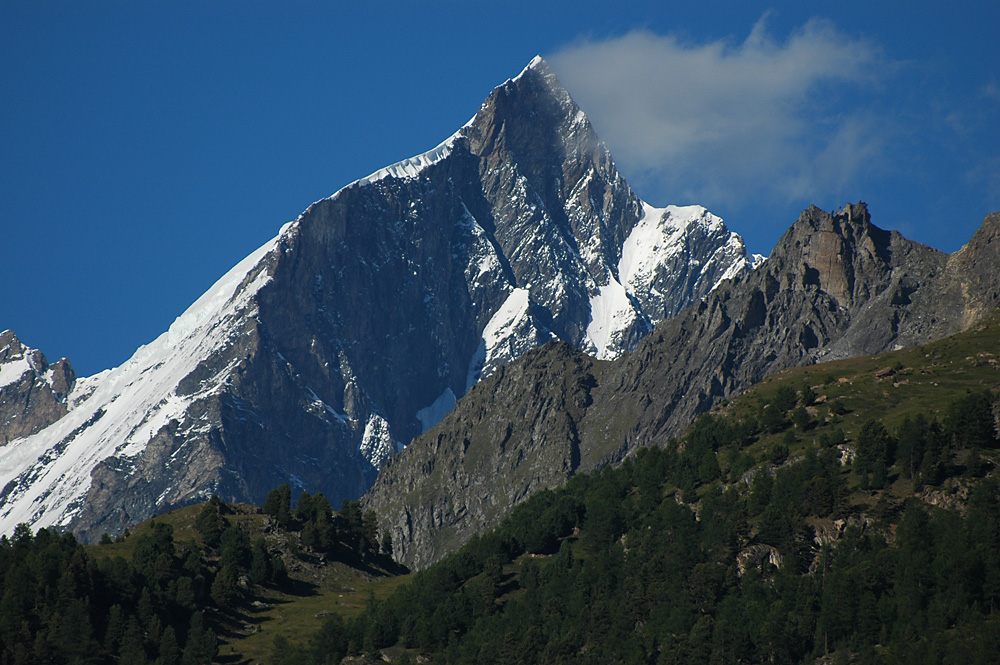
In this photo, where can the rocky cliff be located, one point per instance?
(33, 393)
(356, 328)
(834, 286)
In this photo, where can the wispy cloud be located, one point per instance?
(717, 122)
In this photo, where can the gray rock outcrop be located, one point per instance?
(32, 392)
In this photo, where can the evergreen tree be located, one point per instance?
(369, 532)
(329, 644)
(875, 454)
(210, 525)
(260, 563)
(225, 587)
(278, 504)
(279, 573)
(304, 508)
(801, 419)
(169, 651)
(234, 549)
(784, 399)
(387, 543)
(201, 646)
(970, 421)
(133, 649)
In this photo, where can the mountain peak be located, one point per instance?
(853, 216)
(855, 213)
(538, 71)
(538, 79)
(974, 266)
(538, 61)
(537, 65)
(33, 393)
(833, 250)
(359, 326)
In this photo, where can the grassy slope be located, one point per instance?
(925, 379)
(317, 587)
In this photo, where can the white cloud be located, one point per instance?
(735, 124)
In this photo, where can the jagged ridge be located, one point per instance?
(835, 286)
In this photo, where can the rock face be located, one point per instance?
(834, 286)
(32, 392)
(516, 432)
(361, 323)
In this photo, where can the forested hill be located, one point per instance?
(181, 588)
(848, 512)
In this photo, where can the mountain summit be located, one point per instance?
(357, 327)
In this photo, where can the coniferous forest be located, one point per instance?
(609, 569)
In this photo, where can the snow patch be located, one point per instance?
(510, 332)
(503, 323)
(13, 370)
(342, 418)
(429, 416)
(657, 236)
(658, 240)
(377, 444)
(611, 314)
(411, 168)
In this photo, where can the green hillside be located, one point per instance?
(846, 512)
(318, 583)
(207, 583)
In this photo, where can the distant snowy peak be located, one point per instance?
(540, 67)
(18, 360)
(15, 359)
(413, 166)
(634, 263)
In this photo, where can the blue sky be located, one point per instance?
(148, 147)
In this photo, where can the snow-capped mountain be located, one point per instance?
(360, 325)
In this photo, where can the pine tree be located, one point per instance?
(278, 504)
(260, 563)
(169, 652)
(132, 648)
(225, 587)
(201, 645)
(369, 532)
(875, 453)
(210, 525)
